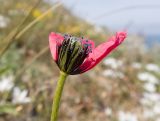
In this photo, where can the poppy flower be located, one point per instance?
(75, 55)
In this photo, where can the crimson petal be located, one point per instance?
(102, 51)
(55, 40)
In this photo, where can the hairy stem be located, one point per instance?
(57, 96)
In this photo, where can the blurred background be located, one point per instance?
(125, 86)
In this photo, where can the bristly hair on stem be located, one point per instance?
(57, 96)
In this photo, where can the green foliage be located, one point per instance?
(8, 109)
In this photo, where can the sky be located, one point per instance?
(134, 15)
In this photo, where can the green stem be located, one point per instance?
(57, 96)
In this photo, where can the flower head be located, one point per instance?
(77, 55)
(20, 96)
(6, 83)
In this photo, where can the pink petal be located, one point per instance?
(102, 51)
(54, 41)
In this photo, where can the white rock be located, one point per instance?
(108, 111)
(156, 108)
(145, 101)
(136, 65)
(113, 63)
(112, 73)
(3, 21)
(147, 113)
(150, 87)
(108, 73)
(154, 97)
(145, 76)
(127, 116)
(153, 67)
(152, 110)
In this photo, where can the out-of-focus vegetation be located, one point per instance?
(125, 87)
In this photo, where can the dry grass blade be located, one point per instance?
(11, 36)
(36, 20)
(18, 34)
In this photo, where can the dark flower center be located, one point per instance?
(72, 53)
